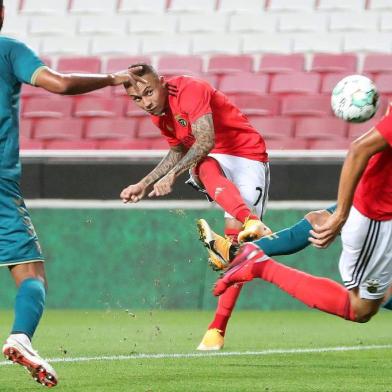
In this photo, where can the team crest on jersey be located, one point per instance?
(372, 285)
(181, 121)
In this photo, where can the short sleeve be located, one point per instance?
(385, 126)
(26, 64)
(195, 99)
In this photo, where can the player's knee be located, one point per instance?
(364, 314)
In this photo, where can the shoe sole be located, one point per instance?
(203, 347)
(37, 371)
(203, 228)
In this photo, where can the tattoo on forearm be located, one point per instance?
(167, 163)
(204, 133)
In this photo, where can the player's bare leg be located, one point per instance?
(30, 280)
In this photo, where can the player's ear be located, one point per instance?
(162, 81)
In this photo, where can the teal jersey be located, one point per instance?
(18, 64)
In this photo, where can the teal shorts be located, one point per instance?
(18, 240)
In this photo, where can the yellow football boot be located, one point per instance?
(252, 230)
(218, 247)
(212, 340)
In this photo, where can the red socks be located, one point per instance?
(226, 303)
(223, 191)
(321, 293)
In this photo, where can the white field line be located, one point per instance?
(165, 204)
(217, 354)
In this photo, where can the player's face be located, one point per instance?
(152, 96)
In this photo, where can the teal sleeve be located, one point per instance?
(286, 241)
(24, 62)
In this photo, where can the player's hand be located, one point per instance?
(322, 236)
(164, 186)
(128, 77)
(133, 193)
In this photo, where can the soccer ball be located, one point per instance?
(355, 99)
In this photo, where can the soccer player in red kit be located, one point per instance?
(364, 218)
(209, 136)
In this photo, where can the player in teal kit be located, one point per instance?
(19, 247)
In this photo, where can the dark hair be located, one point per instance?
(1, 3)
(144, 69)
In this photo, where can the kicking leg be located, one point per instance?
(316, 292)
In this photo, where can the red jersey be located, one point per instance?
(234, 135)
(373, 196)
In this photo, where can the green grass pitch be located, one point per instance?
(74, 335)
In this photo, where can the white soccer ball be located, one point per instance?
(355, 99)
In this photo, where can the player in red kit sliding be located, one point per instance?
(364, 218)
(226, 156)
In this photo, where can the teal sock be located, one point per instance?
(388, 304)
(290, 240)
(29, 305)
(286, 241)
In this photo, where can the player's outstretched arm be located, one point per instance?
(204, 133)
(71, 84)
(361, 150)
(136, 192)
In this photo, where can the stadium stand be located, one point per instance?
(64, 129)
(277, 60)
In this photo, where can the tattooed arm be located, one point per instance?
(134, 193)
(165, 165)
(204, 133)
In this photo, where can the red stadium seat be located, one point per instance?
(26, 128)
(147, 129)
(383, 82)
(111, 128)
(273, 127)
(321, 128)
(257, 105)
(357, 130)
(30, 144)
(115, 64)
(225, 64)
(333, 144)
(287, 144)
(323, 62)
(31, 91)
(377, 63)
(244, 83)
(282, 63)
(79, 64)
(295, 83)
(71, 145)
(170, 65)
(52, 107)
(306, 105)
(136, 144)
(98, 107)
(330, 80)
(70, 128)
